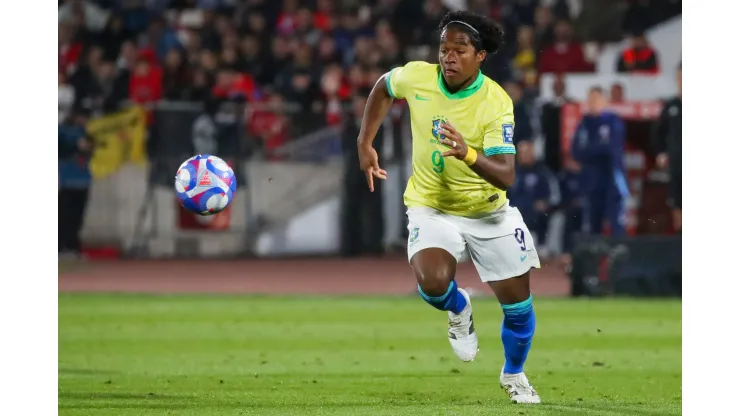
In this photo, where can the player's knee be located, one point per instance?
(434, 269)
(434, 281)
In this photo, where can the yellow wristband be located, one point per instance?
(470, 157)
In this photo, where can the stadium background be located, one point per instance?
(272, 87)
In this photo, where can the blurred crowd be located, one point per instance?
(319, 55)
(315, 53)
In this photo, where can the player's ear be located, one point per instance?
(480, 56)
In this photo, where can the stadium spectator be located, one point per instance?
(523, 129)
(70, 48)
(269, 125)
(287, 20)
(667, 143)
(145, 83)
(550, 122)
(616, 93)
(535, 191)
(96, 86)
(362, 210)
(525, 58)
(598, 148)
(639, 57)
(600, 21)
(322, 18)
(74, 149)
(433, 11)
(66, 96)
(233, 86)
(571, 203)
(639, 16)
(84, 74)
(85, 14)
(565, 54)
(113, 36)
(175, 77)
(544, 33)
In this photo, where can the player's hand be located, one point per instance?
(369, 165)
(453, 139)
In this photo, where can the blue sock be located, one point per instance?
(516, 334)
(452, 300)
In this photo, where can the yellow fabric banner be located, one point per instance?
(117, 139)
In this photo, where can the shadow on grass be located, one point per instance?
(606, 407)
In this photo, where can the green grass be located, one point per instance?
(210, 355)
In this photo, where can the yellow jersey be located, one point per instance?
(482, 113)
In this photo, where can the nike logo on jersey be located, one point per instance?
(420, 98)
(524, 257)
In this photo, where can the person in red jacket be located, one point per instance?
(145, 84)
(639, 58)
(70, 49)
(564, 55)
(234, 85)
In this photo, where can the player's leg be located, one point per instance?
(434, 247)
(517, 332)
(503, 253)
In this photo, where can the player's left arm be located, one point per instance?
(497, 165)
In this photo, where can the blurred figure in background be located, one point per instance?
(565, 54)
(616, 93)
(571, 202)
(362, 210)
(598, 147)
(525, 58)
(66, 97)
(74, 180)
(639, 58)
(523, 129)
(550, 122)
(535, 192)
(667, 140)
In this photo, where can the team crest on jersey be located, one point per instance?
(508, 130)
(413, 235)
(437, 123)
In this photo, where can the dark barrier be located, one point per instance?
(633, 266)
(184, 129)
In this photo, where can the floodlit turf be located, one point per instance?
(209, 355)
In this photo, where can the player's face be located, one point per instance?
(458, 58)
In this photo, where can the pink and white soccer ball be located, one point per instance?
(205, 184)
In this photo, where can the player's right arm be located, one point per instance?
(378, 104)
(391, 85)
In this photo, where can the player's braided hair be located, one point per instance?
(485, 34)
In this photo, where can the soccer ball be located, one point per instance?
(205, 184)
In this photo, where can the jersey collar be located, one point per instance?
(467, 92)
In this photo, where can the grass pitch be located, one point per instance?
(211, 355)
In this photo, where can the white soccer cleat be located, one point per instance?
(518, 388)
(462, 334)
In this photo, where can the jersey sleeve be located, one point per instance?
(498, 138)
(399, 80)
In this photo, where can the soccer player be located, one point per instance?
(463, 162)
